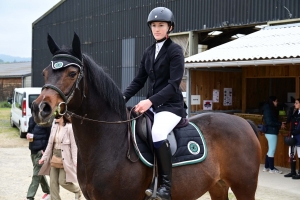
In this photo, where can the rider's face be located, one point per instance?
(159, 30)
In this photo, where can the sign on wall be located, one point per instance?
(216, 94)
(195, 99)
(227, 97)
(207, 104)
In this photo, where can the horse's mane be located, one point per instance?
(103, 83)
(105, 86)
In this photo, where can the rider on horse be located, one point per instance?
(163, 65)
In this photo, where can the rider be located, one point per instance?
(163, 65)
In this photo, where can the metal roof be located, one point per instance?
(15, 69)
(272, 42)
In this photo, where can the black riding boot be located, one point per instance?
(164, 163)
(293, 169)
(297, 176)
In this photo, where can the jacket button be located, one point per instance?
(63, 158)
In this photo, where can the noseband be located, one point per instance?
(61, 61)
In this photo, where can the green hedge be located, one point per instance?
(4, 104)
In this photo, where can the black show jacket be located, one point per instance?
(165, 74)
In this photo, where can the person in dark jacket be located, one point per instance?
(270, 117)
(294, 119)
(163, 65)
(38, 137)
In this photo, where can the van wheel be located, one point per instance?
(22, 134)
(12, 123)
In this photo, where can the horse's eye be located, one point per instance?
(43, 74)
(72, 74)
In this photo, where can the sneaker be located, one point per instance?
(275, 171)
(46, 197)
(266, 169)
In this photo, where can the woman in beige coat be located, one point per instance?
(62, 144)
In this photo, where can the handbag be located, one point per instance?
(261, 127)
(56, 162)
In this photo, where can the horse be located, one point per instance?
(77, 86)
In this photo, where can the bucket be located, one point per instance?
(282, 112)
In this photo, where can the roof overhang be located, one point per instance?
(292, 61)
(273, 45)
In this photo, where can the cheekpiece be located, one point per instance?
(64, 60)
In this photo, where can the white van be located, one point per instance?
(21, 107)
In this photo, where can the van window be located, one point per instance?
(31, 98)
(18, 100)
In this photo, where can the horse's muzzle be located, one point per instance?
(42, 113)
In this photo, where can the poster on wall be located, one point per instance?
(195, 99)
(207, 104)
(227, 97)
(216, 94)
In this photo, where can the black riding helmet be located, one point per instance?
(161, 14)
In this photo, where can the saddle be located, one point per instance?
(187, 142)
(143, 129)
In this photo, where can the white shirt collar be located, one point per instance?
(158, 46)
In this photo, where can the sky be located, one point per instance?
(16, 18)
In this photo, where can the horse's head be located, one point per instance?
(61, 78)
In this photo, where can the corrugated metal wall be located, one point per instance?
(110, 29)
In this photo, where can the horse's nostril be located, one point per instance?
(45, 109)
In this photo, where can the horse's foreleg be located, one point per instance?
(219, 191)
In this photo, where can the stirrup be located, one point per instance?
(149, 192)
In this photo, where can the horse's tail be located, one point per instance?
(254, 127)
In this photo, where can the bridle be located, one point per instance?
(57, 63)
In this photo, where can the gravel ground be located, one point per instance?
(16, 172)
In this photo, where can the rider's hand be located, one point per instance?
(142, 106)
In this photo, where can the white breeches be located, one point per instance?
(164, 122)
(295, 149)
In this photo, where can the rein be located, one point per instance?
(129, 132)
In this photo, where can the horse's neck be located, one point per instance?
(100, 138)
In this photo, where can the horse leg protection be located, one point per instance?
(164, 162)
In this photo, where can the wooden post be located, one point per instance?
(244, 90)
(193, 43)
(297, 86)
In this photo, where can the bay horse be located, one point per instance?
(75, 84)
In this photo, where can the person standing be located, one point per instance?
(294, 118)
(62, 145)
(38, 137)
(163, 65)
(270, 116)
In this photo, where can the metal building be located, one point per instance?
(115, 32)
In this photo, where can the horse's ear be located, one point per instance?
(52, 45)
(76, 46)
